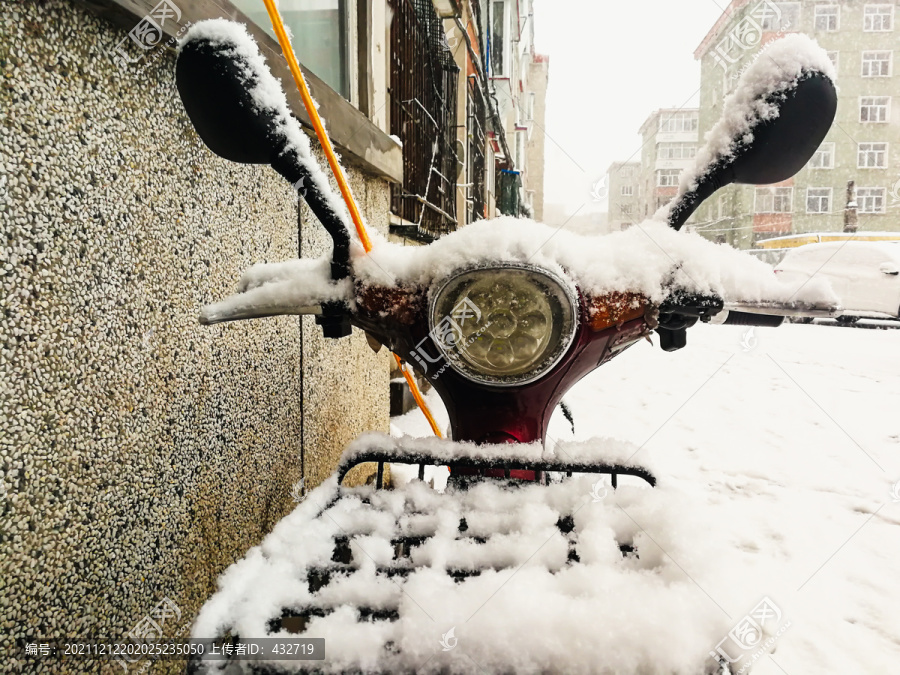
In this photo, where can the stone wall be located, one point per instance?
(141, 453)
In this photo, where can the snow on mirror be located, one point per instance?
(770, 127)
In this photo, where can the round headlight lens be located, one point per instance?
(503, 325)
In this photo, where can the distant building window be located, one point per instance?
(834, 57)
(320, 34)
(870, 199)
(774, 199)
(823, 157)
(628, 190)
(818, 200)
(676, 151)
(874, 108)
(828, 17)
(876, 64)
(678, 122)
(878, 18)
(775, 16)
(626, 209)
(871, 155)
(668, 177)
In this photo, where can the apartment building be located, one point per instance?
(623, 183)
(670, 137)
(861, 151)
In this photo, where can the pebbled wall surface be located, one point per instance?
(141, 453)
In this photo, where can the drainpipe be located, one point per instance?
(850, 216)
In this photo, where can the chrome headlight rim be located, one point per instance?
(567, 330)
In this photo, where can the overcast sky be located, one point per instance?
(612, 62)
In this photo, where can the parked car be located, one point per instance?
(865, 275)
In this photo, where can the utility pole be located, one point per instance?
(850, 220)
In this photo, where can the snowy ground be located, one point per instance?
(785, 445)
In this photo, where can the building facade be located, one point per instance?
(669, 137)
(862, 150)
(625, 207)
(517, 85)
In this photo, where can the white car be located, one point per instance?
(865, 275)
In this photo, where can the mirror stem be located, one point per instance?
(289, 166)
(685, 206)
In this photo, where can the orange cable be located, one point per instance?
(414, 388)
(288, 51)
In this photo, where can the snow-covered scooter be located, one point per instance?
(502, 317)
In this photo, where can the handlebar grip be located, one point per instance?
(749, 319)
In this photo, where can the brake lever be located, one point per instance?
(681, 311)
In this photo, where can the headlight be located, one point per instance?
(504, 325)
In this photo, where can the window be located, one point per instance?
(320, 31)
(818, 200)
(874, 108)
(678, 122)
(628, 190)
(676, 151)
(626, 209)
(878, 18)
(871, 155)
(668, 177)
(876, 64)
(775, 16)
(824, 157)
(828, 17)
(834, 58)
(870, 199)
(774, 199)
(498, 35)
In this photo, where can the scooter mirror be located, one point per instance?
(781, 144)
(214, 86)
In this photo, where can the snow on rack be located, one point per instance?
(530, 579)
(564, 453)
(777, 68)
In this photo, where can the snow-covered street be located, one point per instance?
(784, 447)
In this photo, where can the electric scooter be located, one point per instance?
(502, 318)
